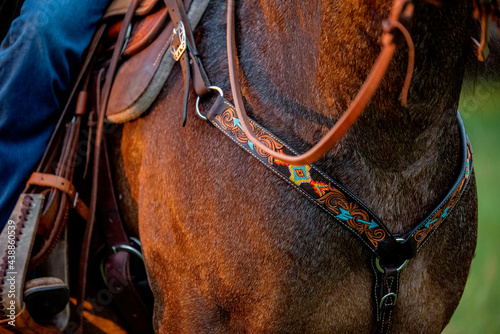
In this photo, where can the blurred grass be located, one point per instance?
(479, 309)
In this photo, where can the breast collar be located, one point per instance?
(390, 252)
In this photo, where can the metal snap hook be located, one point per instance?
(218, 89)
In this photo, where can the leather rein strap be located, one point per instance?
(402, 10)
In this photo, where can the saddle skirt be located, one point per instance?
(146, 57)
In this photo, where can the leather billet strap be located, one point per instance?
(87, 237)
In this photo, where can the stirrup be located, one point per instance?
(16, 244)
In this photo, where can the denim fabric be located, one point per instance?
(39, 59)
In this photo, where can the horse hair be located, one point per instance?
(230, 248)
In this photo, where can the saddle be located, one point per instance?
(133, 40)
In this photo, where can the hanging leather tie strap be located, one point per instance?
(401, 7)
(184, 51)
(116, 266)
(179, 17)
(386, 293)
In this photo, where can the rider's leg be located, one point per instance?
(39, 59)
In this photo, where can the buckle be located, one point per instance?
(75, 201)
(178, 45)
(382, 301)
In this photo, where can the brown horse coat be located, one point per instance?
(230, 247)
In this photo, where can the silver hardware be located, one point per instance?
(377, 260)
(116, 249)
(181, 35)
(136, 241)
(129, 249)
(75, 201)
(391, 294)
(198, 101)
(379, 268)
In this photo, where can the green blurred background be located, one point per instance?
(479, 309)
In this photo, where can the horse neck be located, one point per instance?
(306, 60)
(303, 64)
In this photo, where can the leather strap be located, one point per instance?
(116, 267)
(386, 293)
(178, 15)
(84, 255)
(58, 182)
(335, 199)
(66, 114)
(56, 210)
(352, 113)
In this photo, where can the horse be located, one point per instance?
(230, 247)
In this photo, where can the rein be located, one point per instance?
(402, 10)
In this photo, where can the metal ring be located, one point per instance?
(391, 294)
(198, 101)
(116, 249)
(137, 241)
(129, 249)
(377, 260)
(379, 268)
(127, 38)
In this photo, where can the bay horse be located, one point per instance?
(230, 247)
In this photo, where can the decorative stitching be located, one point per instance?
(338, 201)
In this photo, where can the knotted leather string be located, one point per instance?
(355, 109)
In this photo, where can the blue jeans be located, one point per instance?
(39, 59)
